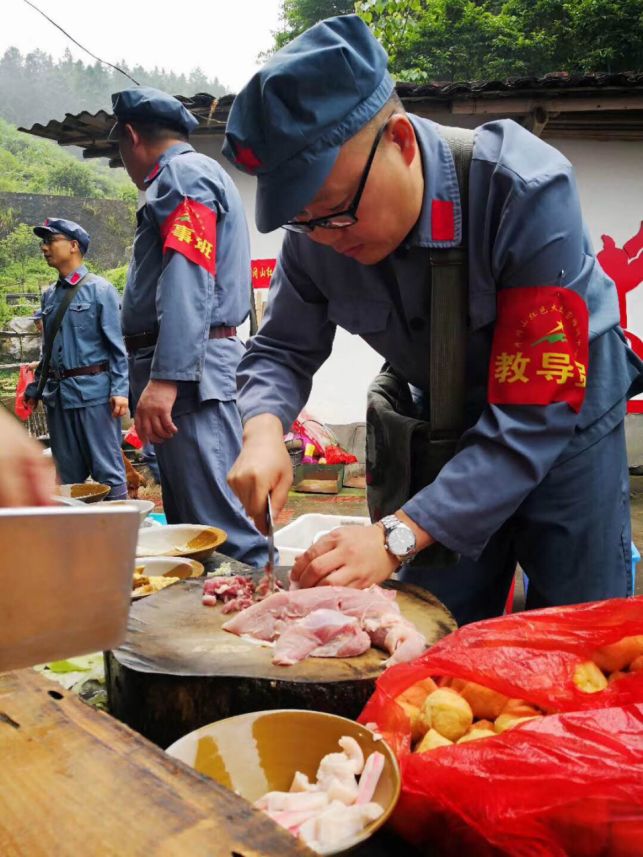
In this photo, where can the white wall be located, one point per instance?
(610, 184)
(610, 181)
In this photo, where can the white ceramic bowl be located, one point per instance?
(194, 540)
(144, 507)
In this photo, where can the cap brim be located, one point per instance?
(283, 193)
(44, 231)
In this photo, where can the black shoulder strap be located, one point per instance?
(449, 305)
(52, 332)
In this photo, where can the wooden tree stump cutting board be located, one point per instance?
(75, 781)
(178, 669)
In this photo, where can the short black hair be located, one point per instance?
(154, 132)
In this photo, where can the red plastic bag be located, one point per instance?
(337, 455)
(568, 784)
(564, 784)
(131, 437)
(26, 376)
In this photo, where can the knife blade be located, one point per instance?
(270, 533)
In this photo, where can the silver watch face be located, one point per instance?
(401, 541)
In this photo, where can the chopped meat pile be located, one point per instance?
(337, 806)
(327, 622)
(235, 593)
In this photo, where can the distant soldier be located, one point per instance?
(85, 387)
(188, 288)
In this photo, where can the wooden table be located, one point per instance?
(75, 781)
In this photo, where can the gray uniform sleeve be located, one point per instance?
(110, 325)
(539, 241)
(296, 337)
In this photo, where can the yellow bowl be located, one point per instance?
(87, 492)
(197, 541)
(255, 753)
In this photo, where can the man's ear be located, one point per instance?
(130, 135)
(402, 133)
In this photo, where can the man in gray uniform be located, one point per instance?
(188, 288)
(86, 390)
(368, 195)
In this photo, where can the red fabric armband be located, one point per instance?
(191, 230)
(540, 348)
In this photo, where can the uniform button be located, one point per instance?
(417, 324)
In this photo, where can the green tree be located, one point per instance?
(392, 22)
(484, 39)
(29, 165)
(72, 178)
(607, 35)
(299, 15)
(20, 252)
(35, 88)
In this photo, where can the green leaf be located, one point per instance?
(67, 667)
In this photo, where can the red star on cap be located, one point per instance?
(247, 158)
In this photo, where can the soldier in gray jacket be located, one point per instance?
(86, 390)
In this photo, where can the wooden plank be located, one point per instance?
(510, 103)
(75, 781)
(178, 669)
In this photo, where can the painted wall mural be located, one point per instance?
(625, 266)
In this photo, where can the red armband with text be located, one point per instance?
(540, 348)
(191, 230)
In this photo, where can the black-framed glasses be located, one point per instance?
(51, 239)
(342, 219)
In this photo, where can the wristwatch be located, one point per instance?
(398, 538)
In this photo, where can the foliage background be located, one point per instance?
(449, 40)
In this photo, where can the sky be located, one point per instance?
(223, 37)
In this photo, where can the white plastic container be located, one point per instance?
(296, 537)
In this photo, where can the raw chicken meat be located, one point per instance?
(337, 807)
(236, 592)
(323, 634)
(337, 823)
(330, 621)
(228, 589)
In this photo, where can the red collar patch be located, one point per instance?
(247, 158)
(442, 220)
(74, 279)
(153, 173)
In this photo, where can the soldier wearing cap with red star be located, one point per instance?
(412, 235)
